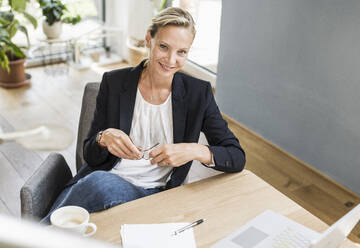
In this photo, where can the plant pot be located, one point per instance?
(136, 54)
(52, 31)
(17, 76)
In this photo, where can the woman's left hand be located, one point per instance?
(176, 155)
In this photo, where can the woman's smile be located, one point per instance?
(169, 49)
(167, 68)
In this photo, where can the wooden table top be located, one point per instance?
(226, 201)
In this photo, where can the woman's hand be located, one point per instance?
(178, 154)
(119, 144)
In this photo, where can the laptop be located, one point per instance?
(271, 229)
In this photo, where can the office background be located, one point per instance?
(290, 71)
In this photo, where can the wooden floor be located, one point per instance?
(55, 98)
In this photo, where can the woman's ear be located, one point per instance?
(148, 39)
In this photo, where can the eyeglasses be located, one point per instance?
(145, 153)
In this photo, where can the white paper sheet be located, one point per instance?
(156, 236)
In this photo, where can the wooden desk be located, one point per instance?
(226, 201)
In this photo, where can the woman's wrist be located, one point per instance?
(101, 140)
(202, 153)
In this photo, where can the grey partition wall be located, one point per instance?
(290, 71)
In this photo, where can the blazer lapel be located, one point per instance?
(128, 97)
(178, 108)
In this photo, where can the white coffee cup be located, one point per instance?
(74, 219)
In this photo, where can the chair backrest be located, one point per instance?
(86, 116)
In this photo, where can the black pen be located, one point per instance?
(198, 222)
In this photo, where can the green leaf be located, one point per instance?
(13, 28)
(24, 30)
(57, 14)
(163, 5)
(18, 5)
(6, 40)
(3, 22)
(4, 61)
(72, 20)
(30, 18)
(16, 51)
(42, 2)
(4, 33)
(11, 47)
(7, 16)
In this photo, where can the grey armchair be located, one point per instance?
(43, 187)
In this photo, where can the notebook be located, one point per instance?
(271, 229)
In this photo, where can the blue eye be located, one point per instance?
(163, 46)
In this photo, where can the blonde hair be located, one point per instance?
(172, 16)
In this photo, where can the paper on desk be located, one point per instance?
(156, 236)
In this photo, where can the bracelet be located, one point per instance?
(98, 137)
(212, 158)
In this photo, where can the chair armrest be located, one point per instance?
(44, 186)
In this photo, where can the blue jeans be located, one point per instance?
(98, 191)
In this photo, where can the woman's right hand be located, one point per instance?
(119, 144)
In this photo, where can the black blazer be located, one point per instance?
(194, 110)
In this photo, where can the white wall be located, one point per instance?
(117, 17)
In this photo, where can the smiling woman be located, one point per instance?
(152, 103)
(168, 52)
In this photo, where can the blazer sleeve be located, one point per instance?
(228, 155)
(94, 154)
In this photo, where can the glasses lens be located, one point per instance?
(146, 155)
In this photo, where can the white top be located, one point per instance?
(151, 124)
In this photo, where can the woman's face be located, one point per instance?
(169, 49)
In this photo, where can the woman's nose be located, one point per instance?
(171, 58)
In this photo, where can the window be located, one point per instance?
(207, 16)
(44, 52)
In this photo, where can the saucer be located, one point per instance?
(19, 84)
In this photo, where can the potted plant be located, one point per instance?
(12, 56)
(54, 12)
